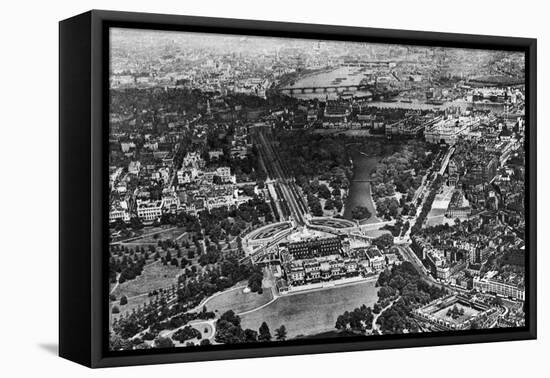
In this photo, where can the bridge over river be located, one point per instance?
(327, 88)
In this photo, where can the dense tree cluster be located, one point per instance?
(255, 280)
(313, 155)
(383, 241)
(163, 342)
(398, 228)
(229, 331)
(436, 184)
(314, 205)
(403, 281)
(360, 212)
(401, 171)
(211, 256)
(220, 222)
(397, 319)
(358, 320)
(186, 333)
(190, 291)
(127, 267)
(154, 317)
(387, 208)
(224, 275)
(187, 221)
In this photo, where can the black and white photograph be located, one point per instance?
(269, 190)
(245, 189)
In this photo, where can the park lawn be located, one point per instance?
(437, 220)
(376, 233)
(134, 302)
(312, 312)
(234, 299)
(154, 276)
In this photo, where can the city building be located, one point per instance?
(449, 130)
(149, 211)
(315, 247)
(505, 289)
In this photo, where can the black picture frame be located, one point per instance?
(83, 120)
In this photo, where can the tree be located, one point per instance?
(205, 342)
(228, 333)
(324, 191)
(250, 336)
(360, 212)
(329, 204)
(280, 333)
(264, 334)
(115, 310)
(496, 301)
(338, 204)
(231, 317)
(163, 342)
(255, 282)
(383, 241)
(118, 343)
(186, 333)
(123, 300)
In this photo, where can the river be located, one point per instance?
(360, 189)
(354, 76)
(341, 76)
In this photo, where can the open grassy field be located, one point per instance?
(312, 312)
(376, 233)
(238, 301)
(134, 302)
(155, 276)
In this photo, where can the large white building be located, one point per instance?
(489, 285)
(117, 213)
(448, 130)
(187, 175)
(149, 211)
(120, 211)
(134, 167)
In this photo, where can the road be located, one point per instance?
(411, 257)
(275, 171)
(143, 236)
(276, 199)
(199, 325)
(116, 284)
(445, 160)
